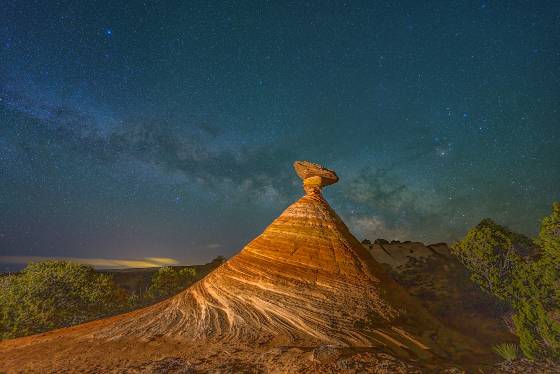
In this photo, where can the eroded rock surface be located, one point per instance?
(305, 282)
(314, 176)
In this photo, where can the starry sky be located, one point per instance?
(167, 129)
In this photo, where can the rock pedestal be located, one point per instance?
(314, 176)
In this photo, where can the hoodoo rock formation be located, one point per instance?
(314, 176)
(303, 290)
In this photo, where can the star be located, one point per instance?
(220, 108)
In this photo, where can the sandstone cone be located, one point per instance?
(304, 282)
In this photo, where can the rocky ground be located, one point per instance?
(524, 366)
(335, 361)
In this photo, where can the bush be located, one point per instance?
(507, 351)
(53, 294)
(524, 273)
(491, 253)
(549, 263)
(168, 281)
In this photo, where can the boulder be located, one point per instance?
(314, 176)
(327, 353)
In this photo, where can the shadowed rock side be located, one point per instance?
(303, 284)
(441, 283)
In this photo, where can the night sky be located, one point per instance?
(132, 130)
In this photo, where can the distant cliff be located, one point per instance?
(441, 283)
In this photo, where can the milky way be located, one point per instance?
(168, 129)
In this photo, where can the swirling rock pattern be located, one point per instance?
(306, 281)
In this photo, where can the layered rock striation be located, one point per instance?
(305, 282)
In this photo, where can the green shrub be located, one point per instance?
(53, 294)
(549, 262)
(492, 253)
(522, 272)
(507, 351)
(168, 281)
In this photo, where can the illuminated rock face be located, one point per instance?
(304, 282)
(306, 279)
(314, 176)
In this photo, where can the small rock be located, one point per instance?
(314, 176)
(327, 353)
(276, 351)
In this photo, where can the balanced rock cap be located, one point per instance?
(314, 176)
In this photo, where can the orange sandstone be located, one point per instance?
(304, 283)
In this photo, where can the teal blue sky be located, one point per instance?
(168, 128)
